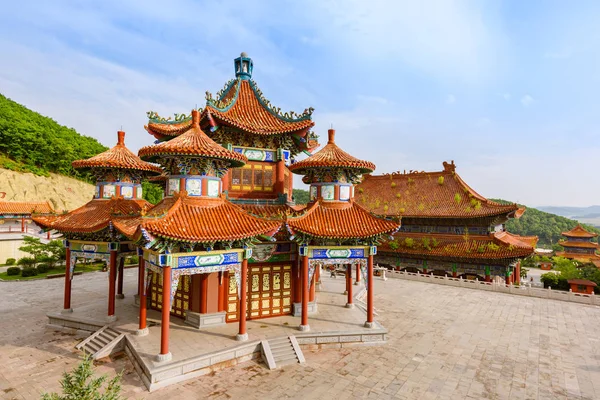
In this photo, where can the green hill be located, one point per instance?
(546, 226)
(30, 142)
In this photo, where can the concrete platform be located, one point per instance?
(197, 352)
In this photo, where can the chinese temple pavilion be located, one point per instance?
(334, 229)
(578, 246)
(89, 231)
(447, 228)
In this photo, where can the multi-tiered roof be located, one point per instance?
(338, 219)
(429, 199)
(197, 219)
(100, 213)
(242, 106)
(578, 245)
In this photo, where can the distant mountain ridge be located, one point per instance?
(589, 215)
(31, 142)
(545, 225)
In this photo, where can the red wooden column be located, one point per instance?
(280, 176)
(112, 268)
(349, 285)
(143, 329)
(304, 324)
(67, 300)
(312, 289)
(203, 293)
(369, 323)
(518, 273)
(297, 282)
(120, 294)
(22, 224)
(243, 302)
(165, 354)
(357, 275)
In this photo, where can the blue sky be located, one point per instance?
(509, 90)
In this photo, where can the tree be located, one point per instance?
(80, 384)
(152, 192)
(33, 246)
(301, 196)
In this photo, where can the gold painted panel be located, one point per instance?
(287, 293)
(287, 277)
(287, 267)
(266, 303)
(254, 304)
(232, 286)
(254, 314)
(286, 310)
(286, 301)
(255, 279)
(231, 307)
(266, 312)
(276, 302)
(276, 281)
(266, 282)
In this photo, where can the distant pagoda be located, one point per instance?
(578, 246)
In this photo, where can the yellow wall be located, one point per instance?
(9, 248)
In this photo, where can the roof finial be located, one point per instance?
(121, 137)
(331, 133)
(195, 117)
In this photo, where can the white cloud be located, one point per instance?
(506, 96)
(527, 100)
(450, 99)
(447, 39)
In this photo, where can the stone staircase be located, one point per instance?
(102, 343)
(281, 351)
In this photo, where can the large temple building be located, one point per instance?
(578, 246)
(447, 227)
(226, 244)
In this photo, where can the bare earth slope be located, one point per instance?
(62, 192)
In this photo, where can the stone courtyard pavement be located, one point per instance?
(444, 343)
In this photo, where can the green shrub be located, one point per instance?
(134, 260)
(26, 261)
(42, 268)
(13, 271)
(10, 261)
(28, 271)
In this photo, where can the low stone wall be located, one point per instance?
(502, 288)
(157, 377)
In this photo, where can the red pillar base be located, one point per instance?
(241, 337)
(164, 357)
(488, 278)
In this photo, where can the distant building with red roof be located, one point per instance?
(578, 246)
(447, 227)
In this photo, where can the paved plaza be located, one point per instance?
(444, 343)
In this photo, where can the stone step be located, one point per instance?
(283, 351)
(102, 339)
(280, 345)
(280, 359)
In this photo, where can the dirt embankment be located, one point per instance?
(62, 192)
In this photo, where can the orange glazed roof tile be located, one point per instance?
(243, 106)
(427, 195)
(332, 156)
(580, 232)
(339, 220)
(581, 257)
(202, 220)
(193, 142)
(493, 246)
(25, 207)
(270, 211)
(582, 245)
(117, 157)
(94, 216)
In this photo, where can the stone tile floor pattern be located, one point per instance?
(444, 343)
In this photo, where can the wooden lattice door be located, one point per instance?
(269, 292)
(181, 301)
